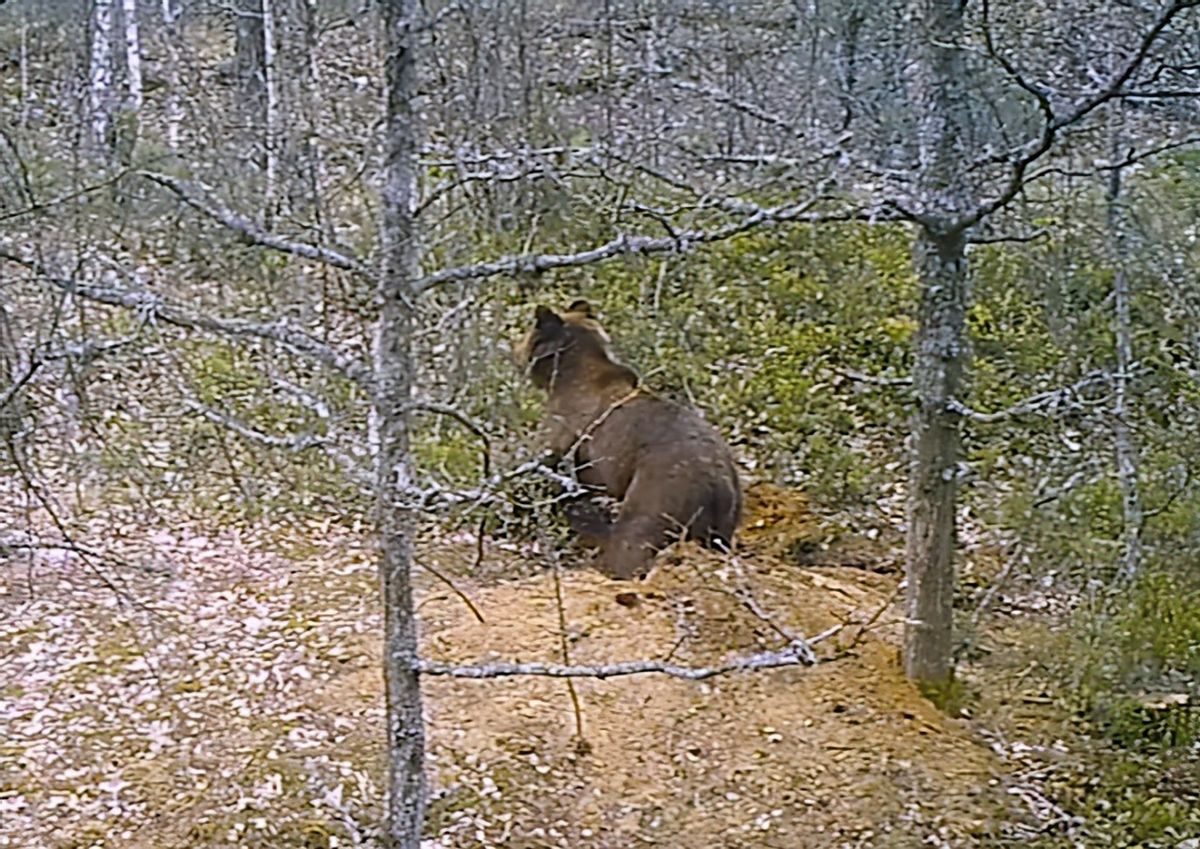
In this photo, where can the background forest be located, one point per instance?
(198, 213)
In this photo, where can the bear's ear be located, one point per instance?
(547, 320)
(584, 307)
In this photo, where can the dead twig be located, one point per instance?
(1041, 403)
(152, 307)
(463, 597)
(564, 642)
(627, 245)
(302, 442)
(792, 655)
(867, 626)
(200, 198)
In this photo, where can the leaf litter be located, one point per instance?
(232, 697)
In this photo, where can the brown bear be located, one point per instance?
(672, 471)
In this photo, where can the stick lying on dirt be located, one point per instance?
(798, 653)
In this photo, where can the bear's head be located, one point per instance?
(569, 347)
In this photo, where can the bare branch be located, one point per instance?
(153, 307)
(1133, 157)
(446, 159)
(535, 171)
(725, 99)
(1160, 95)
(1018, 168)
(742, 592)
(301, 442)
(797, 654)
(14, 390)
(424, 563)
(83, 352)
(625, 245)
(351, 467)
(199, 197)
(463, 419)
(1038, 93)
(873, 379)
(433, 497)
(757, 160)
(1010, 238)
(40, 206)
(1039, 403)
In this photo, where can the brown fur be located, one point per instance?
(671, 469)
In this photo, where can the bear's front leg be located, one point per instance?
(631, 548)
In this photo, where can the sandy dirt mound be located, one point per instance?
(842, 754)
(217, 689)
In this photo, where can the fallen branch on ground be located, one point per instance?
(796, 654)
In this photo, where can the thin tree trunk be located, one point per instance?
(941, 355)
(248, 45)
(171, 38)
(848, 52)
(272, 110)
(394, 373)
(133, 55)
(23, 122)
(100, 77)
(131, 112)
(933, 487)
(311, 158)
(12, 406)
(1123, 443)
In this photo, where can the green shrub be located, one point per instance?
(1136, 660)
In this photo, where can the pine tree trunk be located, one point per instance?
(394, 373)
(941, 355)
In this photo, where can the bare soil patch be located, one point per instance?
(230, 696)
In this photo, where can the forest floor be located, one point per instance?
(214, 688)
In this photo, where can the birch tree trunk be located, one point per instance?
(1123, 444)
(171, 38)
(394, 372)
(941, 355)
(133, 55)
(130, 123)
(100, 76)
(271, 114)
